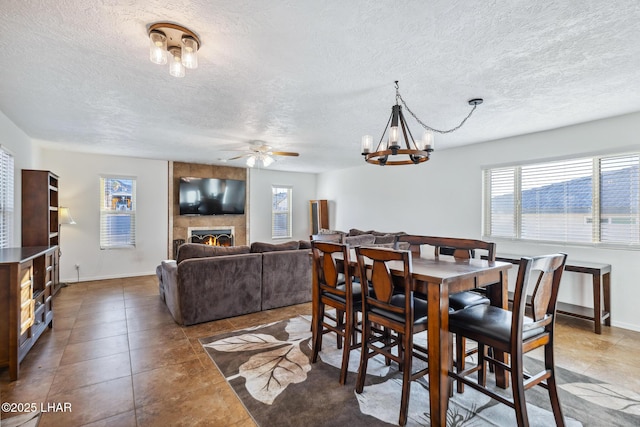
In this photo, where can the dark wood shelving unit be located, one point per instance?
(40, 213)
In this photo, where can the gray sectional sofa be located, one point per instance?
(207, 283)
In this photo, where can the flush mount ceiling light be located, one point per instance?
(415, 152)
(177, 44)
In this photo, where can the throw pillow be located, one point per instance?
(362, 239)
(387, 238)
(269, 247)
(198, 250)
(304, 244)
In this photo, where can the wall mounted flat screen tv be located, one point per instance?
(212, 196)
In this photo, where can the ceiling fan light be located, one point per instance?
(157, 47)
(176, 69)
(267, 160)
(251, 161)
(189, 52)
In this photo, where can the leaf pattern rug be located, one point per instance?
(269, 369)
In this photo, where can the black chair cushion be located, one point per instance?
(466, 299)
(490, 321)
(355, 288)
(419, 309)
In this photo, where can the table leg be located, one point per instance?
(606, 284)
(597, 304)
(438, 350)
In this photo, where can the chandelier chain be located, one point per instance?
(427, 127)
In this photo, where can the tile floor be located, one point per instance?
(116, 355)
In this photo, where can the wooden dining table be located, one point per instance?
(437, 278)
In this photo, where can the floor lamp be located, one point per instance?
(64, 217)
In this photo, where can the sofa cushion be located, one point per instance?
(356, 232)
(386, 238)
(362, 239)
(304, 244)
(259, 247)
(198, 250)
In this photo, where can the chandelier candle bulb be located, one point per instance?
(367, 143)
(428, 141)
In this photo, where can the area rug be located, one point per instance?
(269, 369)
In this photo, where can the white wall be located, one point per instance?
(14, 140)
(260, 182)
(444, 197)
(80, 191)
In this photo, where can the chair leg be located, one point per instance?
(317, 339)
(346, 349)
(482, 364)
(339, 324)
(406, 377)
(552, 385)
(364, 355)
(460, 360)
(517, 387)
(451, 362)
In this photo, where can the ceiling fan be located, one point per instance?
(261, 153)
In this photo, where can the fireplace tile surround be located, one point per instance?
(180, 226)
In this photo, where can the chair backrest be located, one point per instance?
(547, 272)
(384, 284)
(458, 248)
(327, 268)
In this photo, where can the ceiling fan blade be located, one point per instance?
(284, 153)
(238, 157)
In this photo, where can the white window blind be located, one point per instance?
(558, 201)
(281, 212)
(6, 198)
(117, 212)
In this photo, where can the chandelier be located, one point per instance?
(176, 42)
(397, 129)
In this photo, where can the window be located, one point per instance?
(281, 212)
(117, 212)
(6, 198)
(559, 201)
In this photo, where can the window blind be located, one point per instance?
(281, 212)
(6, 198)
(117, 212)
(588, 200)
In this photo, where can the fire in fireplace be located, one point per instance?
(212, 236)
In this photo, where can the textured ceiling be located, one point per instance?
(311, 76)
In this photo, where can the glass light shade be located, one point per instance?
(393, 135)
(267, 160)
(157, 48)
(367, 144)
(251, 161)
(189, 52)
(427, 140)
(176, 69)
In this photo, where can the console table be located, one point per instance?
(601, 281)
(27, 277)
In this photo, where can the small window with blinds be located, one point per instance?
(281, 212)
(117, 212)
(591, 200)
(6, 198)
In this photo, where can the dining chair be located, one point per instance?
(516, 334)
(335, 289)
(458, 249)
(388, 302)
